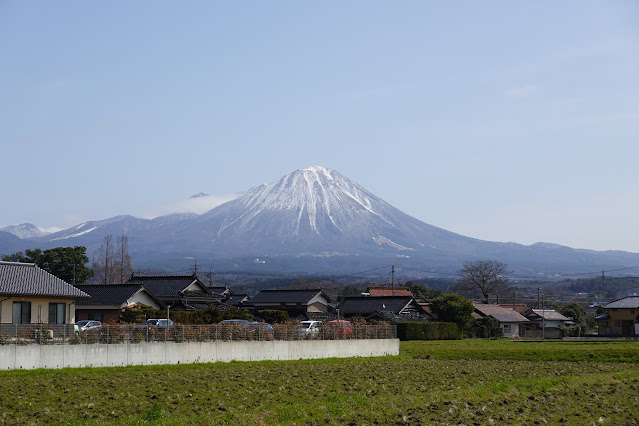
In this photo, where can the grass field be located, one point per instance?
(452, 382)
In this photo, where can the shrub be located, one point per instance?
(484, 328)
(448, 331)
(273, 316)
(428, 331)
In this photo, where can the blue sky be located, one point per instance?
(500, 120)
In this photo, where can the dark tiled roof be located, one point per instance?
(111, 294)
(26, 279)
(220, 289)
(631, 302)
(164, 286)
(499, 313)
(236, 299)
(367, 305)
(286, 296)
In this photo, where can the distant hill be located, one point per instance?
(315, 220)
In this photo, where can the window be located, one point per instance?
(21, 312)
(96, 316)
(604, 323)
(617, 323)
(507, 328)
(56, 313)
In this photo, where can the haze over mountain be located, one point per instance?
(314, 220)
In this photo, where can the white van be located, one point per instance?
(310, 329)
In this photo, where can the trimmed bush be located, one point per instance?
(428, 331)
(484, 328)
(448, 331)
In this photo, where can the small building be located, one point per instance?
(387, 308)
(107, 301)
(388, 290)
(520, 308)
(221, 293)
(621, 318)
(511, 322)
(298, 303)
(31, 295)
(181, 292)
(237, 300)
(548, 318)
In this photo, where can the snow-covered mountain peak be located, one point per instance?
(24, 230)
(316, 199)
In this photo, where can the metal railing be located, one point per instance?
(45, 334)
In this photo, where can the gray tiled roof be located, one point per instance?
(550, 315)
(285, 296)
(631, 302)
(165, 286)
(27, 279)
(112, 294)
(499, 313)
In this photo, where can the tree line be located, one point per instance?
(111, 262)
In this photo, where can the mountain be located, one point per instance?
(316, 220)
(24, 230)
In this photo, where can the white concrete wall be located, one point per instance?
(28, 357)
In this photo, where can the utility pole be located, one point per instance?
(603, 283)
(538, 297)
(543, 321)
(393, 280)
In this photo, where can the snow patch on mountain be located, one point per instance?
(383, 240)
(77, 234)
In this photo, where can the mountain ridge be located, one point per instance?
(317, 220)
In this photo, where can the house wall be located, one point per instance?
(317, 307)
(548, 324)
(98, 355)
(104, 315)
(510, 329)
(143, 298)
(621, 322)
(39, 309)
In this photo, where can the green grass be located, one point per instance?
(627, 352)
(467, 382)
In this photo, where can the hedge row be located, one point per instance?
(428, 331)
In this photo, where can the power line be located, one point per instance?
(598, 272)
(427, 272)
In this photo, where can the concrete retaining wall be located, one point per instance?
(13, 357)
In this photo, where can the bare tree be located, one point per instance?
(484, 276)
(112, 265)
(103, 259)
(122, 262)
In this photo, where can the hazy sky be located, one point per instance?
(500, 120)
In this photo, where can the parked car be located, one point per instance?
(310, 329)
(243, 322)
(340, 328)
(86, 325)
(154, 323)
(261, 326)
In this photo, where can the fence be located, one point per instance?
(46, 334)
